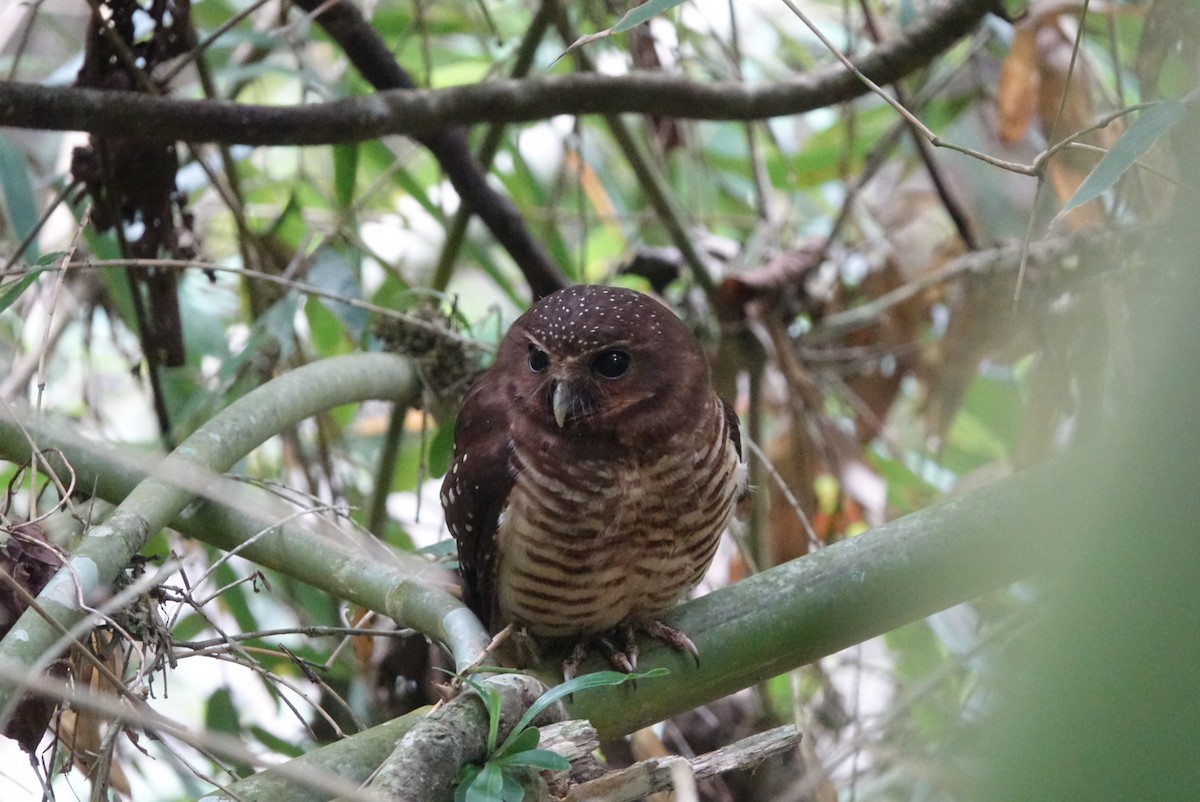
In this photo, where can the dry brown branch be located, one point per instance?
(421, 112)
(653, 775)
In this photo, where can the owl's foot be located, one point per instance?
(672, 637)
(624, 658)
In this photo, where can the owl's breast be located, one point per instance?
(587, 545)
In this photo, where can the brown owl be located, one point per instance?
(594, 471)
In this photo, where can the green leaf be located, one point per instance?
(643, 13)
(466, 777)
(441, 448)
(540, 759)
(443, 548)
(511, 791)
(282, 746)
(334, 271)
(486, 786)
(328, 335)
(14, 290)
(634, 17)
(528, 738)
(234, 596)
(491, 702)
(345, 174)
(19, 205)
(599, 679)
(220, 715)
(1148, 128)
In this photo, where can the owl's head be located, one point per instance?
(602, 362)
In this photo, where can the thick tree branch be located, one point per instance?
(421, 113)
(426, 761)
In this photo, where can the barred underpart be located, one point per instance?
(586, 546)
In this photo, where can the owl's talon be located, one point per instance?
(674, 638)
(622, 660)
(631, 647)
(571, 664)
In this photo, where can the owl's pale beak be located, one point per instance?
(560, 402)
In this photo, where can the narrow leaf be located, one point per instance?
(14, 290)
(643, 13)
(633, 18)
(540, 759)
(599, 679)
(19, 204)
(491, 702)
(345, 173)
(1148, 128)
(526, 739)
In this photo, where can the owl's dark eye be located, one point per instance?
(538, 360)
(611, 364)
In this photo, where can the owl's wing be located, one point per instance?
(475, 492)
(732, 426)
(741, 505)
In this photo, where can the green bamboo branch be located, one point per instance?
(192, 468)
(834, 598)
(426, 761)
(761, 627)
(799, 612)
(353, 759)
(260, 527)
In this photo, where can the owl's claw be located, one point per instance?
(672, 637)
(622, 660)
(626, 659)
(571, 664)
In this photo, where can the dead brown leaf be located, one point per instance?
(1017, 92)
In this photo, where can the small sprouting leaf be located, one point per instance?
(13, 291)
(1148, 128)
(540, 759)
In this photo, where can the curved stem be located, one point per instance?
(192, 469)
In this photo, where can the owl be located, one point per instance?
(594, 471)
